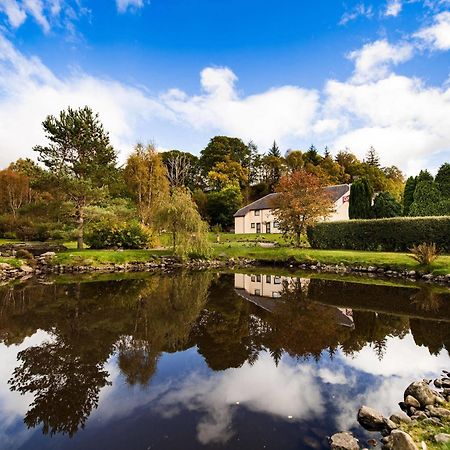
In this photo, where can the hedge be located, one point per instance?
(394, 234)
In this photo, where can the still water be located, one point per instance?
(207, 360)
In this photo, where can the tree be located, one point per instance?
(228, 173)
(427, 200)
(146, 178)
(219, 147)
(180, 217)
(14, 190)
(294, 160)
(222, 205)
(273, 168)
(408, 194)
(443, 180)
(302, 201)
(424, 175)
(360, 199)
(274, 151)
(182, 168)
(372, 158)
(80, 157)
(385, 205)
(327, 153)
(312, 156)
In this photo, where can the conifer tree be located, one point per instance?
(372, 158)
(360, 206)
(408, 194)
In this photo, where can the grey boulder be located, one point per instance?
(370, 419)
(343, 441)
(399, 440)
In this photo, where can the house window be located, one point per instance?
(253, 278)
(258, 278)
(258, 292)
(258, 228)
(276, 224)
(268, 279)
(277, 280)
(256, 212)
(252, 225)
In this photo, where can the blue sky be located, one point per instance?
(343, 74)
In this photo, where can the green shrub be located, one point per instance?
(24, 254)
(394, 234)
(9, 235)
(128, 236)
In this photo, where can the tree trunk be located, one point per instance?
(80, 221)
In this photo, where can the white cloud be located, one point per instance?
(125, 5)
(394, 8)
(360, 10)
(373, 60)
(437, 36)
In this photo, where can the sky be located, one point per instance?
(343, 74)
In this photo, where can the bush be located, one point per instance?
(424, 253)
(395, 234)
(24, 254)
(127, 236)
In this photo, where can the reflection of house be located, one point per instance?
(266, 291)
(258, 217)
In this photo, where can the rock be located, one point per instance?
(399, 440)
(437, 383)
(431, 421)
(48, 255)
(419, 415)
(390, 425)
(26, 269)
(370, 419)
(411, 401)
(5, 266)
(400, 417)
(343, 441)
(442, 438)
(421, 392)
(436, 411)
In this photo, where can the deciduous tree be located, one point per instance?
(301, 201)
(14, 190)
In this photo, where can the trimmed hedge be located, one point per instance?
(394, 234)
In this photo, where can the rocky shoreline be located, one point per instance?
(44, 264)
(422, 408)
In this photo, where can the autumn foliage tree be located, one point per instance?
(301, 202)
(14, 190)
(146, 178)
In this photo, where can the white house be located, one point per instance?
(258, 217)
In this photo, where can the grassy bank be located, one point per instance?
(395, 261)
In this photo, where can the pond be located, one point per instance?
(209, 360)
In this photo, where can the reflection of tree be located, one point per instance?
(432, 334)
(427, 299)
(65, 385)
(138, 318)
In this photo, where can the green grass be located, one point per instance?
(421, 432)
(394, 261)
(102, 257)
(11, 261)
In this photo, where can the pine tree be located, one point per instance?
(372, 158)
(327, 153)
(360, 206)
(443, 180)
(408, 194)
(274, 151)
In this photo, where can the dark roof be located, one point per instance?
(267, 202)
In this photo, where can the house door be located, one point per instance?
(268, 227)
(258, 228)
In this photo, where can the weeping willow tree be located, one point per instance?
(180, 217)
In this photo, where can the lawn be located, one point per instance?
(347, 257)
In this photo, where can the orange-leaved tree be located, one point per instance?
(301, 202)
(14, 190)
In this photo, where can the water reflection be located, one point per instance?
(281, 346)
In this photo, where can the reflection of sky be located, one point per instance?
(192, 405)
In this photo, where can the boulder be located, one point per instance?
(26, 269)
(400, 417)
(421, 392)
(399, 440)
(412, 401)
(389, 424)
(343, 441)
(442, 438)
(5, 266)
(48, 255)
(436, 411)
(370, 419)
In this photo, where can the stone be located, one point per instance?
(421, 392)
(436, 411)
(400, 417)
(390, 425)
(48, 255)
(431, 421)
(419, 415)
(370, 419)
(26, 269)
(411, 401)
(343, 441)
(399, 440)
(442, 438)
(5, 266)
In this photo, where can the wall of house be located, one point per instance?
(243, 225)
(265, 215)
